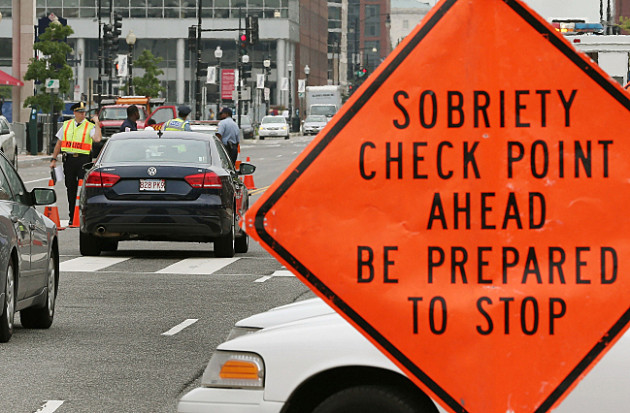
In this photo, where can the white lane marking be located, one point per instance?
(50, 406)
(37, 180)
(197, 266)
(90, 264)
(179, 327)
(279, 273)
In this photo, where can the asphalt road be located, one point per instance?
(107, 350)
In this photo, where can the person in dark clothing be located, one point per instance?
(133, 114)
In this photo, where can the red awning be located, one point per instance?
(7, 79)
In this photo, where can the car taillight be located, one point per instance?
(206, 180)
(102, 179)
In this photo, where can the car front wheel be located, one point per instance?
(43, 317)
(8, 307)
(371, 399)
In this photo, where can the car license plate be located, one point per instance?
(152, 185)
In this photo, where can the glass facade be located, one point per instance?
(168, 9)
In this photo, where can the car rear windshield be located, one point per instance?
(117, 113)
(158, 151)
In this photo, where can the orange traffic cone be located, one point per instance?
(75, 218)
(51, 211)
(249, 180)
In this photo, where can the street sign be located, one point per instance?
(260, 81)
(212, 75)
(475, 197)
(52, 83)
(301, 85)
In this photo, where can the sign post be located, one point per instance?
(483, 244)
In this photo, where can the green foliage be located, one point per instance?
(52, 65)
(148, 84)
(5, 91)
(624, 24)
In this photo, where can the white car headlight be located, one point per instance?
(241, 331)
(234, 370)
(284, 127)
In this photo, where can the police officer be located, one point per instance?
(179, 123)
(74, 141)
(228, 133)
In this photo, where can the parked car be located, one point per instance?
(8, 143)
(313, 124)
(273, 126)
(205, 126)
(29, 254)
(163, 186)
(303, 357)
(247, 128)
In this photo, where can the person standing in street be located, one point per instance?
(74, 141)
(133, 114)
(180, 123)
(228, 133)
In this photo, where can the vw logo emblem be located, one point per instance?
(152, 171)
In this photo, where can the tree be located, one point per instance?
(52, 65)
(148, 84)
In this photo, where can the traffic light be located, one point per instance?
(247, 70)
(243, 39)
(251, 28)
(116, 30)
(192, 38)
(107, 36)
(362, 72)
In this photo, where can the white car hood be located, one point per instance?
(287, 313)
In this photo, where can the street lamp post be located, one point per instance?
(307, 71)
(290, 69)
(267, 65)
(218, 54)
(131, 41)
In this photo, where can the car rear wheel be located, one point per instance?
(89, 244)
(8, 307)
(43, 317)
(224, 245)
(110, 245)
(241, 244)
(262, 138)
(371, 399)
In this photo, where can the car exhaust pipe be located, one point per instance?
(100, 230)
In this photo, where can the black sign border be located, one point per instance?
(368, 92)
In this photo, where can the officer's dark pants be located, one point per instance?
(232, 149)
(73, 171)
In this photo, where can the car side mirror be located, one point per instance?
(44, 196)
(88, 166)
(246, 168)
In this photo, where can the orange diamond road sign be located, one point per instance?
(464, 209)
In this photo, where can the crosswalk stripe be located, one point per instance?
(89, 264)
(279, 273)
(197, 266)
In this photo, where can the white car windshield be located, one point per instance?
(316, 118)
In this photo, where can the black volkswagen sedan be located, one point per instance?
(29, 254)
(163, 186)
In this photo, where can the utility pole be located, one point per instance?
(100, 57)
(198, 72)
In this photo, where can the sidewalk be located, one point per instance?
(28, 159)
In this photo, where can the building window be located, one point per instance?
(372, 20)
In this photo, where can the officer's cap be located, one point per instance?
(78, 107)
(183, 110)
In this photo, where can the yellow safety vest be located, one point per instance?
(176, 124)
(76, 139)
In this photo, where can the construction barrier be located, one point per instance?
(249, 180)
